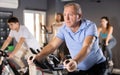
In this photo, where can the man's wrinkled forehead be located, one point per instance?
(75, 7)
(70, 9)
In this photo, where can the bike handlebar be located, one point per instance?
(45, 63)
(4, 54)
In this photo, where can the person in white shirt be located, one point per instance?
(24, 39)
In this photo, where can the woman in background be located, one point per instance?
(57, 24)
(105, 31)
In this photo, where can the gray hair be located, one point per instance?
(76, 6)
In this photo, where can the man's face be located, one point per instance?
(13, 26)
(70, 16)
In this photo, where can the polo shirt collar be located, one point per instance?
(82, 26)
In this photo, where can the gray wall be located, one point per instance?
(94, 11)
(27, 4)
(51, 11)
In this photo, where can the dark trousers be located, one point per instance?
(1, 69)
(107, 50)
(97, 69)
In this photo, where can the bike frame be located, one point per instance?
(7, 66)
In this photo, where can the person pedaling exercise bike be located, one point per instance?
(24, 40)
(108, 41)
(80, 36)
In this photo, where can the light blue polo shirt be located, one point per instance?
(74, 42)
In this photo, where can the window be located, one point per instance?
(33, 20)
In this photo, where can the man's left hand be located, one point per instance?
(71, 65)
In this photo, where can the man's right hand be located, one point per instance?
(31, 59)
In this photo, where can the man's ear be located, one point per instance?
(79, 17)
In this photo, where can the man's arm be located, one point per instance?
(18, 45)
(72, 65)
(6, 43)
(50, 48)
(88, 42)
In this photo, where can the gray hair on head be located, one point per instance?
(76, 6)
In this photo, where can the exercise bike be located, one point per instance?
(105, 52)
(48, 65)
(7, 67)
